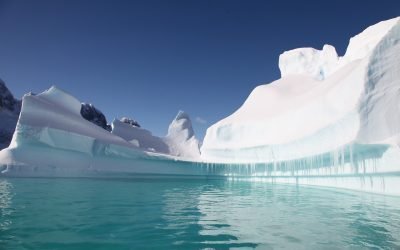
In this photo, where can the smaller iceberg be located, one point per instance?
(56, 135)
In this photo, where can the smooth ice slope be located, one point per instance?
(321, 104)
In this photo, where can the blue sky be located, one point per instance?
(149, 59)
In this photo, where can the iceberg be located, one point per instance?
(327, 117)
(322, 104)
(54, 137)
(330, 121)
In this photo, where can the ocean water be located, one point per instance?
(191, 214)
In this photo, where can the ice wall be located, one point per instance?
(379, 105)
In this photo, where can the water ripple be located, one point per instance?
(187, 214)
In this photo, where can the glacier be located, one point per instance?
(330, 121)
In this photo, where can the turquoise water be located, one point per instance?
(191, 214)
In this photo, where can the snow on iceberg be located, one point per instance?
(324, 111)
(52, 138)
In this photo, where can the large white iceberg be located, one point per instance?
(329, 121)
(328, 116)
(321, 104)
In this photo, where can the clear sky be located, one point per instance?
(148, 59)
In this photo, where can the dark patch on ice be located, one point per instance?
(95, 116)
(130, 122)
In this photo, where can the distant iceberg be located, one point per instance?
(328, 121)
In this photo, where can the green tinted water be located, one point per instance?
(191, 214)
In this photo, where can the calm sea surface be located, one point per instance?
(191, 214)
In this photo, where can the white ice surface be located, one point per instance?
(306, 112)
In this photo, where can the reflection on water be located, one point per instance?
(191, 214)
(5, 203)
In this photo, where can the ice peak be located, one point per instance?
(181, 125)
(181, 115)
(181, 138)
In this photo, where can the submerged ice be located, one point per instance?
(327, 116)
